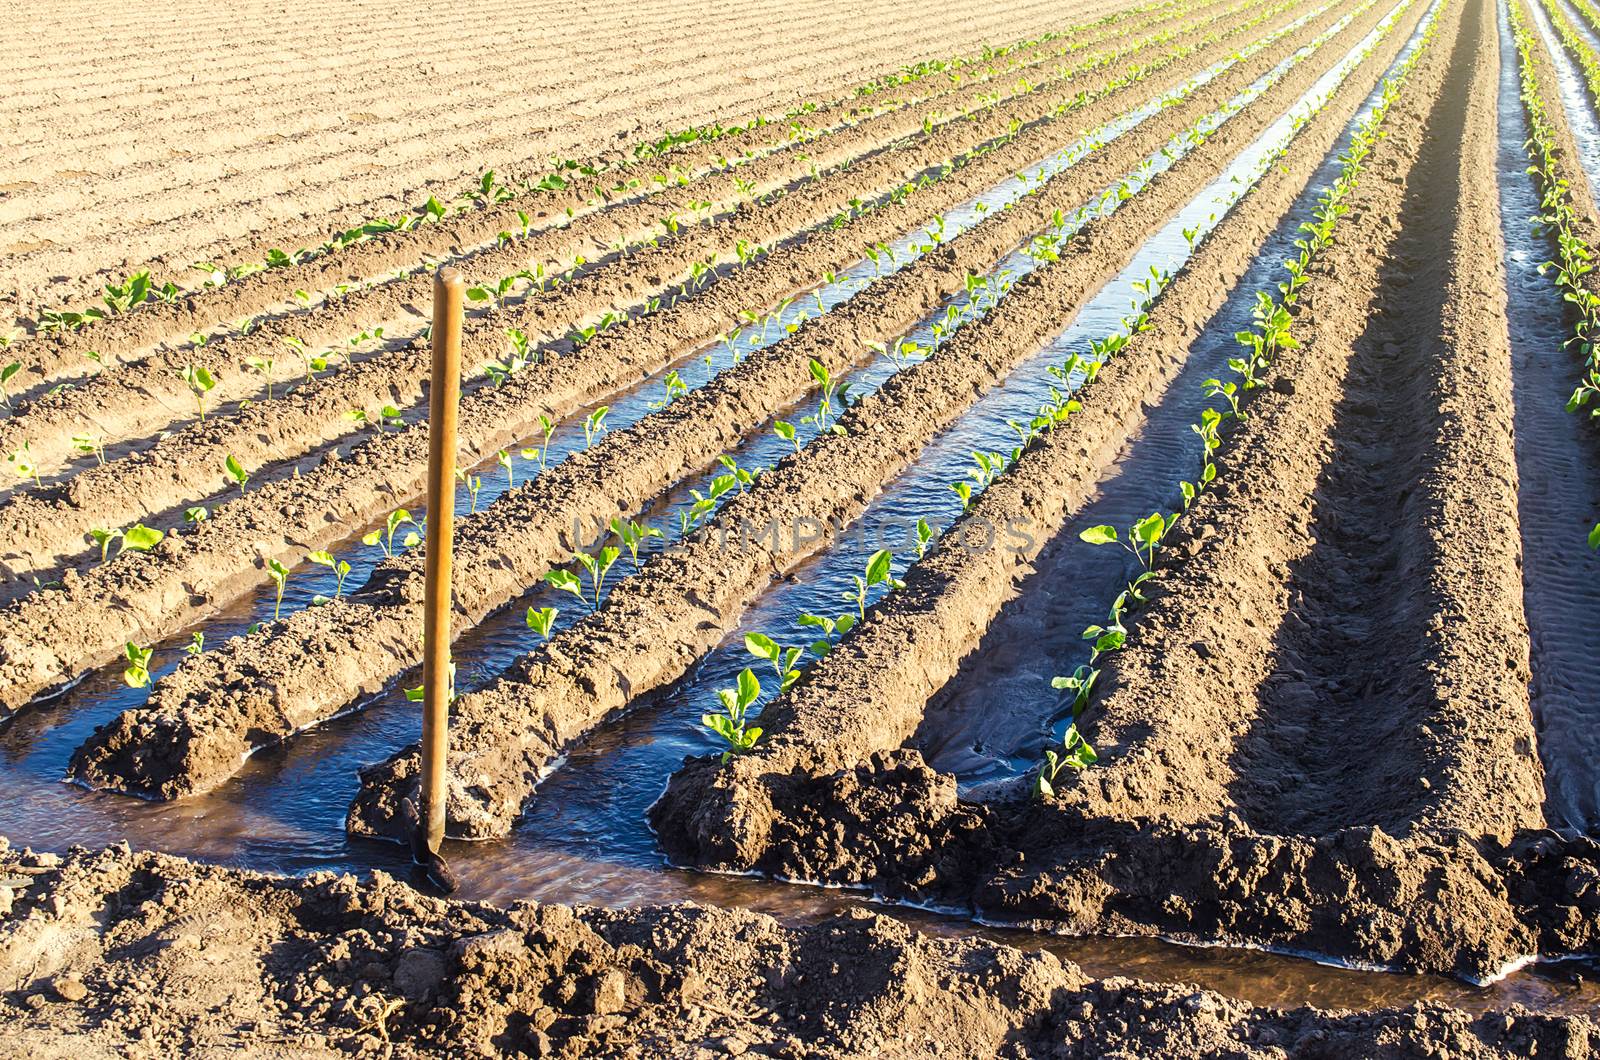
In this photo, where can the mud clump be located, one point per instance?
(122, 953)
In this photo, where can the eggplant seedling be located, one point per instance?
(384, 536)
(597, 565)
(878, 571)
(280, 578)
(21, 460)
(782, 659)
(593, 425)
(104, 538)
(1143, 536)
(830, 627)
(90, 445)
(1079, 683)
(196, 514)
(418, 694)
(731, 723)
(236, 471)
(263, 366)
(141, 538)
(197, 643)
(1075, 754)
(5, 377)
(632, 535)
(136, 674)
(341, 569)
(200, 382)
(503, 458)
(785, 430)
(474, 483)
(541, 620)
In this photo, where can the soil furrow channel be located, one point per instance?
(393, 655)
(43, 528)
(508, 734)
(476, 232)
(165, 589)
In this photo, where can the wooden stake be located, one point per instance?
(443, 397)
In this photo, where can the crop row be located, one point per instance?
(704, 420)
(474, 220)
(507, 734)
(184, 467)
(1569, 221)
(837, 716)
(537, 266)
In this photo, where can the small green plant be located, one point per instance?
(731, 724)
(340, 569)
(236, 471)
(503, 458)
(878, 571)
(5, 378)
(280, 578)
(785, 430)
(21, 460)
(1075, 754)
(384, 536)
(632, 535)
(541, 620)
(136, 674)
(104, 538)
(200, 381)
(90, 445)
(594, 424)
(597, 565)
(782, 659)
(197, 643)
(196, 514)
(141, 538)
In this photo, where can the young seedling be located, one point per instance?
(5, 378)
(1079, 683)
(341, 569)
(594, 424)
(785, 430)
(104, 538)
(740, 475)
(197, 643)
(90, 445)
(731, 723)
(1143, 537)
(384, 536)
(878, 571)
(418, 694)
(280, 578)
(474, 483)
(782, 659)
(830, 627)
(196, 514)
(141, 538)
(136, 674)
(200, 382)
(1075, 754)
(503, 458)
(236, 471)
(597, 565)
(924, 534)
(21, 460)
(632, 535)
(541, 620)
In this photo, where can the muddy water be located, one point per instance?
(585, 838)
(1558, 488)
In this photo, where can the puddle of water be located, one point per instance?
(1558, 484)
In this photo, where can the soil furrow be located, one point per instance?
(159, 592)
(596, 118)
(42, 528)
(869, 695)
(1114, 855)
(704, 422)
(148, 394)
(51, 357)
(504, 737)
